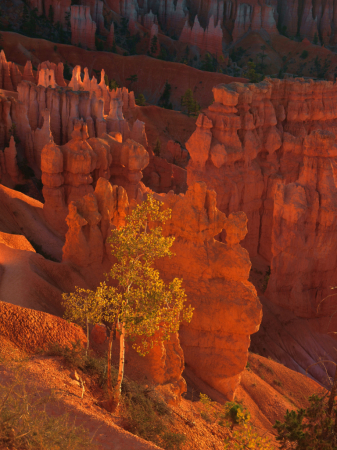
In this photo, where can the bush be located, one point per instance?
(148, 416)
(304, 54)
(309, 429)
(25, 424)
(141, 101)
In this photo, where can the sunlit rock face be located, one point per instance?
(270, 150)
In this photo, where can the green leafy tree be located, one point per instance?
(164, 100)
(304, 54)
(141, 101)
(86, 307)
(141, 306)
(145, 306)
(189, 103)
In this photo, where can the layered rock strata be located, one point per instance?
(227, 309)
(270, 150)
(83, 28)
(71, 171)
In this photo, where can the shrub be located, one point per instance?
(312, 428)
(25, 424)
(141, 101)
(304, 54)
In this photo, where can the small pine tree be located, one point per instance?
(164, 100)
(251, 73)
(315, 42)
(189, 103)
(154, 45)
(141, 101)
(51, 14)
(133, 79)
(157, 148)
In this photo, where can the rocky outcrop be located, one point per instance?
(60, 9)
(83, 28)
(270, 150)
(71, 171)
(215, 274)
(33, 330)
(209, 40)
(11, 163)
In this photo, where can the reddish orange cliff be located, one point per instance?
(270, 150)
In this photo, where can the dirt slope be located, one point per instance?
(152, 73)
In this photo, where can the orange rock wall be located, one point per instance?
(270, 150)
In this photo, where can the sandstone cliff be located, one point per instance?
(270, 150)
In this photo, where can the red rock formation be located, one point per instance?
(10, 161)
(83, 28)
(71, 171)
(28, 74)
(269, 150)
(209, 40)
(221, 277)
(111, 36)
(60, 9)
(32, 330)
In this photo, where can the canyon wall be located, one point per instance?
(270, 150)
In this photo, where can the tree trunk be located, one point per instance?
(86, 352)
(332, 393)
(110, 390)
(118, 388)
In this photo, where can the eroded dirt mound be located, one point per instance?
(268, 389)
(31, 330)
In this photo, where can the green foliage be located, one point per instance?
(154, 45)
(112, 84)
(51, 14)
(251, 73)
(164, 100)
(141, 100)
(304, 54)
(320, 69)
(157, 148)
(208, 63)
(133, 79)
(315, 41)
(29, 20)
(147, 414)
(86, 307)
(282, 30)
(236, 413)
(25, 424)
(144, 302)
(189, 104)
(309, 429)
(236, 54)
(244, 436)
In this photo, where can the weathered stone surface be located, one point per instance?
(215, 274)
(271, 152)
